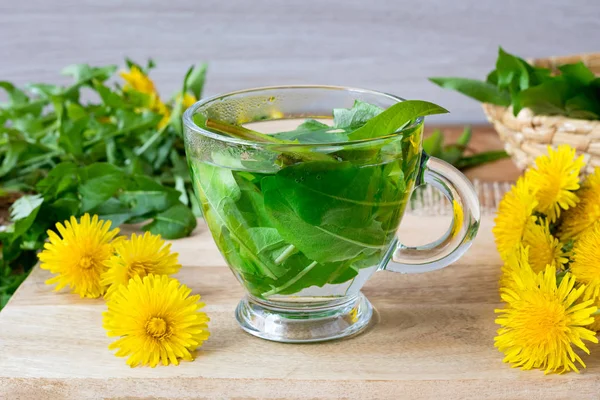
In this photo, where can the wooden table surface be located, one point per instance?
(431, 338)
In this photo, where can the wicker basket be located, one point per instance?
(527, 136)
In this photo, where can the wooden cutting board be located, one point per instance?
(431, 338)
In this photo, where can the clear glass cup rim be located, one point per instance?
(191, 125)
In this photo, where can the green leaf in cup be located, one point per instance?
(320, 218)
(355, 117)
(313, 131)
(395, 118)
(318, 207)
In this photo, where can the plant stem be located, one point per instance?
(481, 158)
(243, 133)
(291, 281)
(291, 249)
(248, 134)
(150, 141)
(34, 160)
(117, 133)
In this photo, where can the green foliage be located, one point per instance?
(574, 93)
(283, 235)
(395, 118)
(312, 131)
(455, 153)
(356, 116)
(481, 91)
(68, 155)
(321, 218)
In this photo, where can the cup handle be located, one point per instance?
(465, 222)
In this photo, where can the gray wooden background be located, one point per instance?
(386, 45)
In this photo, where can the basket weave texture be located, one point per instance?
(527, 136)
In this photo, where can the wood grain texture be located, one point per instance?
(385, 45)
(432, 338)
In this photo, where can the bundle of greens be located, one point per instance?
(455, 153)
(93, 146)
(291, 219)
(574, 93)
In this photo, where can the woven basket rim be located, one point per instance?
(523, 114)
(565, 59)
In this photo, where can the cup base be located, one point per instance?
(303, 325)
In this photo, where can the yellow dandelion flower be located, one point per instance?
(138, 256)
(544, 249)
(77, 256)
(135, 79)
(161, 108)
(586, 261)
(543, 321)
(515, 211)
(516, 262)
(188, 100)
(554, 179)
(157, 321)
(577, 219)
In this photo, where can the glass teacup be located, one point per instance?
(303, 226)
